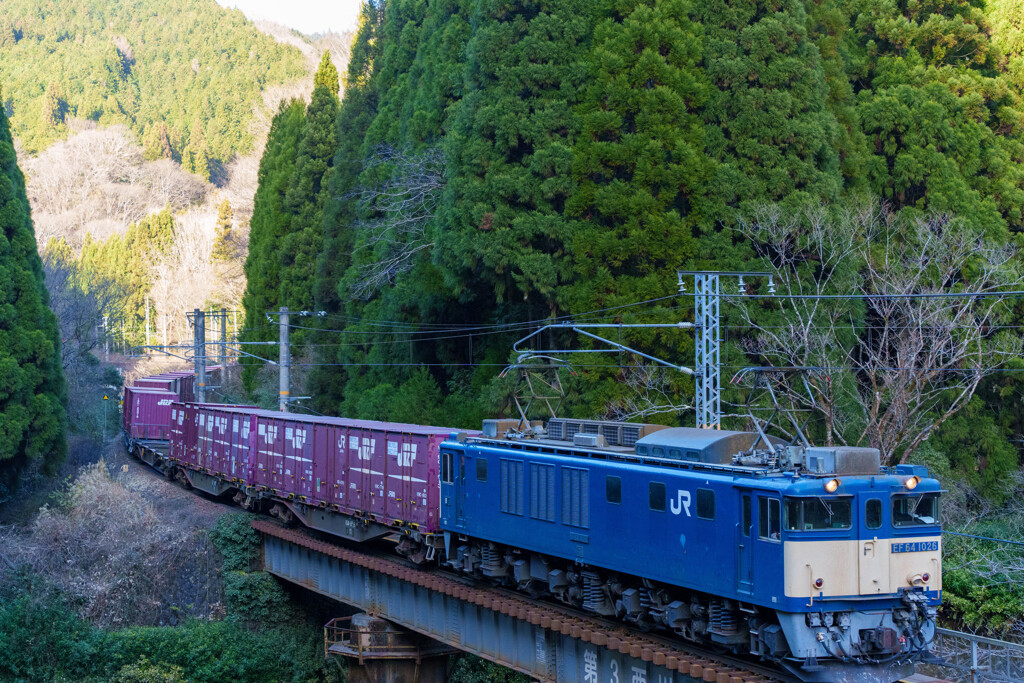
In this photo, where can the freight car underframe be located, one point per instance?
(889, 639)
(359, 527)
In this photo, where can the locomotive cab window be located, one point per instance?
(656, 493)
(919, 510)
(817, 514)
(613, 490)
(873, 513)
(746, 515)
(447, 468)
(705, 503)
(481, 469)
(769, 522)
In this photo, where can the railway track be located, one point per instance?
(685, 658)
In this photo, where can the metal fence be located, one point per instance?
(973, 659)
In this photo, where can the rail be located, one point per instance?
(978, 659)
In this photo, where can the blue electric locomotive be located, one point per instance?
(816, 558)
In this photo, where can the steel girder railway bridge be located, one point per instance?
(544, 641)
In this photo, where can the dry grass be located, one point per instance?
(131, 547)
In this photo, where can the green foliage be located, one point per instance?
(981, 580)
(33, 393)
(44, 639)
(470, 669)
(150, 65)
(640, 168)
(766, 122)
(236, 540)
(144, 671)
(979, 449)
(256, 598)
(267, 227)
(302, 240)
(510, 151)
(128, 261)
(223, 246)
(326, 75)
(196, 157)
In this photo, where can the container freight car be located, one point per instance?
(358, 479)
(147, 413)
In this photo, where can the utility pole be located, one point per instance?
(147, 320)
(708, 342)
(284, 361)
(200, 354)
(106, 340)
(223, 348)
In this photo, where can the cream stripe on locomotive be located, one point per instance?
(868, 566)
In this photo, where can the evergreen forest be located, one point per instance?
(186, 77)
(493, 166)
(33, 420)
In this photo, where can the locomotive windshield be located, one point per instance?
(815, 514)
(919, 510)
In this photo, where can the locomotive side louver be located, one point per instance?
(623, 434)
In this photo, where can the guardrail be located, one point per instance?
(977, 659)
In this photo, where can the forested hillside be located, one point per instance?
(499, 165)
(184, 76)
(140, 126)
(32, 399)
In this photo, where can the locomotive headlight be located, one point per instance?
(832, 485)
(913, 482)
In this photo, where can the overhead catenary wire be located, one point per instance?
(403, 328)
(455, 331)
(984, 538)
(510, 326)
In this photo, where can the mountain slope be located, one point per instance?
(183, 75)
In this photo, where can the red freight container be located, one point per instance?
(147, 413)
(165, 383)
(385, 470)
(186, 384)
(214, 439)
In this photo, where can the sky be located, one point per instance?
(308, 16)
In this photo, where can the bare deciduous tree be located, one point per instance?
(97, 183)
(401, 206)
(909, 349)
(650, 393)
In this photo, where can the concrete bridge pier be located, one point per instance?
(378, 651)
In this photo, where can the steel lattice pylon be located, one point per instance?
(708, 352)
(707, 365)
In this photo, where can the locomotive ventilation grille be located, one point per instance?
(624, 434)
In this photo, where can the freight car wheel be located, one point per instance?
(179, 476)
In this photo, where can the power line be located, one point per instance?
(984, 538)
(398, 327)
(471, 327)
(935, 295)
